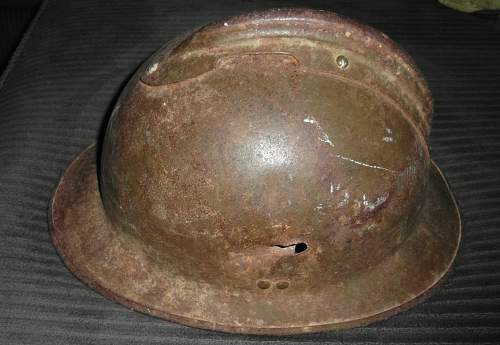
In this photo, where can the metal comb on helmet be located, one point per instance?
(270, 175)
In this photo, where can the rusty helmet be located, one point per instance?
(268, 174)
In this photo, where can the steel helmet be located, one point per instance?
(269, 174)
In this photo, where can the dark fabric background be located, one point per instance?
(13, 20)
(63, 81)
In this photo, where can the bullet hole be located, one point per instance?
(300, 247)
(296, 248)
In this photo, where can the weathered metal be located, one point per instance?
(269, 175)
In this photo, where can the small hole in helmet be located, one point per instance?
(300, 247)
(297, 248)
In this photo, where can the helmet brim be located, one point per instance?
(116, 265)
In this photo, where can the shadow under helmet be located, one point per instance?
(269, 174)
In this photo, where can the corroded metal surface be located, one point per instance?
(269, 175)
